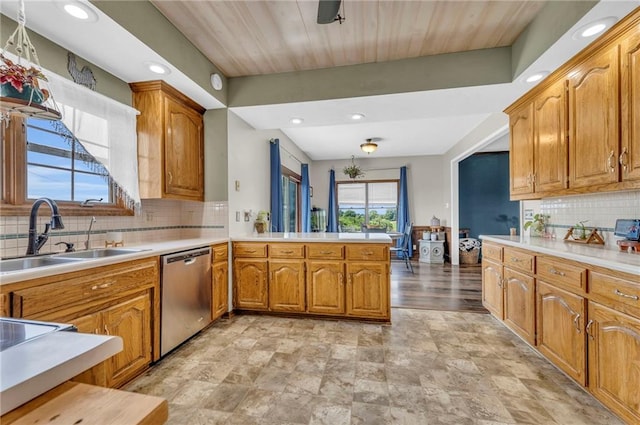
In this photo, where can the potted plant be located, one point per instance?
(579, 230)
(20, 82)
(537, 225)
(262, 221)
(353, 171)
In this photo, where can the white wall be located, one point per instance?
(425, 176)
(248, 151)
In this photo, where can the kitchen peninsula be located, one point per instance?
(323, 274)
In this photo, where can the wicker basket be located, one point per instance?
(469, 257)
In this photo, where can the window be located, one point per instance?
(58, 169)
(374, 204)
(38, 162)
(291, 199)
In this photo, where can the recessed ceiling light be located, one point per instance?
(594, 28)
(79, 10)
(537, 76)
(357, 116)
(157, 68)
(296, 120)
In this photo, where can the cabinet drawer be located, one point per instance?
(220, 252)
(619, 289)
(85, 287)
(286, 250)
(519, 260)
(249, 249)
(490, 251)
(367, 252)
(561, 273)
(325, 251)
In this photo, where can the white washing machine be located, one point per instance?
(431, 251)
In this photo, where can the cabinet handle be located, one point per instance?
(516, 260)
(611, 162)
(170, 177)
(367, 253)
(529, 179)
(106, 330)
(102, 286)
(623, 159)
(341, 279)
(250, 251)
(500, 282)
(556, 272)
(588, 329)
(287, 252)
(326, 252)
(623, 295)
(576, 322)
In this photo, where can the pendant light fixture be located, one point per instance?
(369, 146)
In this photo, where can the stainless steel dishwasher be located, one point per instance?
(186, 296)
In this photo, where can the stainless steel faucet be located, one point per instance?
(36, 241)
(87, 202)
(86, 243)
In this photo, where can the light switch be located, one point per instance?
(237, 185)
(237, 215)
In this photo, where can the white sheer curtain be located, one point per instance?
(104, 127)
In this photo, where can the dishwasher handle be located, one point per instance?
(188, 257)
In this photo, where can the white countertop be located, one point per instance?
(36, 366)
(314, 237)
(151, 250)
(597, 255)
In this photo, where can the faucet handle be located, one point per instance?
(68, 245)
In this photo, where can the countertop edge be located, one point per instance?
(319, 237)
(630, 263)
(21, 384)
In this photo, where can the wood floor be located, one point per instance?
(437, 287)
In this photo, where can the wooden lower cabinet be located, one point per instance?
(325, 287)
(614, 360)
(492, 291)
(220, 302)
(367, 292)
(250, 283)
(561, 336)
(519, 304)
(287, 285)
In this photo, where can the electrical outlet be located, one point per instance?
(247, 215)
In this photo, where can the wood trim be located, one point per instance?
(167, 89)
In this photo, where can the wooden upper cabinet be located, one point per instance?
(593, 120)
(629, 158)
(170, 142)
(550, 151)
(521, 150)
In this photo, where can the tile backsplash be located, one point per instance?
(159, 220)
(598, 210)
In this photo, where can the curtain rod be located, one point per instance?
(289, 153)
(385, 169)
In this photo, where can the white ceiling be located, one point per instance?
(410, 124)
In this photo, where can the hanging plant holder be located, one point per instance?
(353, 171)
(20, 80)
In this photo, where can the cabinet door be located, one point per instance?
(521, 150)
(183, 151)
(250, 289)
(91, 324)
(550, 153)
(325, 287)
(593, 120)
(630, 79)
(614, 360)
(130, 320)
(220, 302)
(492, 293)
(561, 337)
(287, 285)
(519, 304)
(367, 292)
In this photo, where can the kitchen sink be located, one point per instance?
(18, 264)
(97, 253)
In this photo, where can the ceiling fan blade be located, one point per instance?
(328, 11)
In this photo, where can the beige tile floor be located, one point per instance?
(428, 367)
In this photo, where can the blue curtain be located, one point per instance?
(332, 219)
(277, 216)
(404, 219)
(305, 202)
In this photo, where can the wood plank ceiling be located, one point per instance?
(263, 37)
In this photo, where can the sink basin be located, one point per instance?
(18, 264)
(97, 253)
